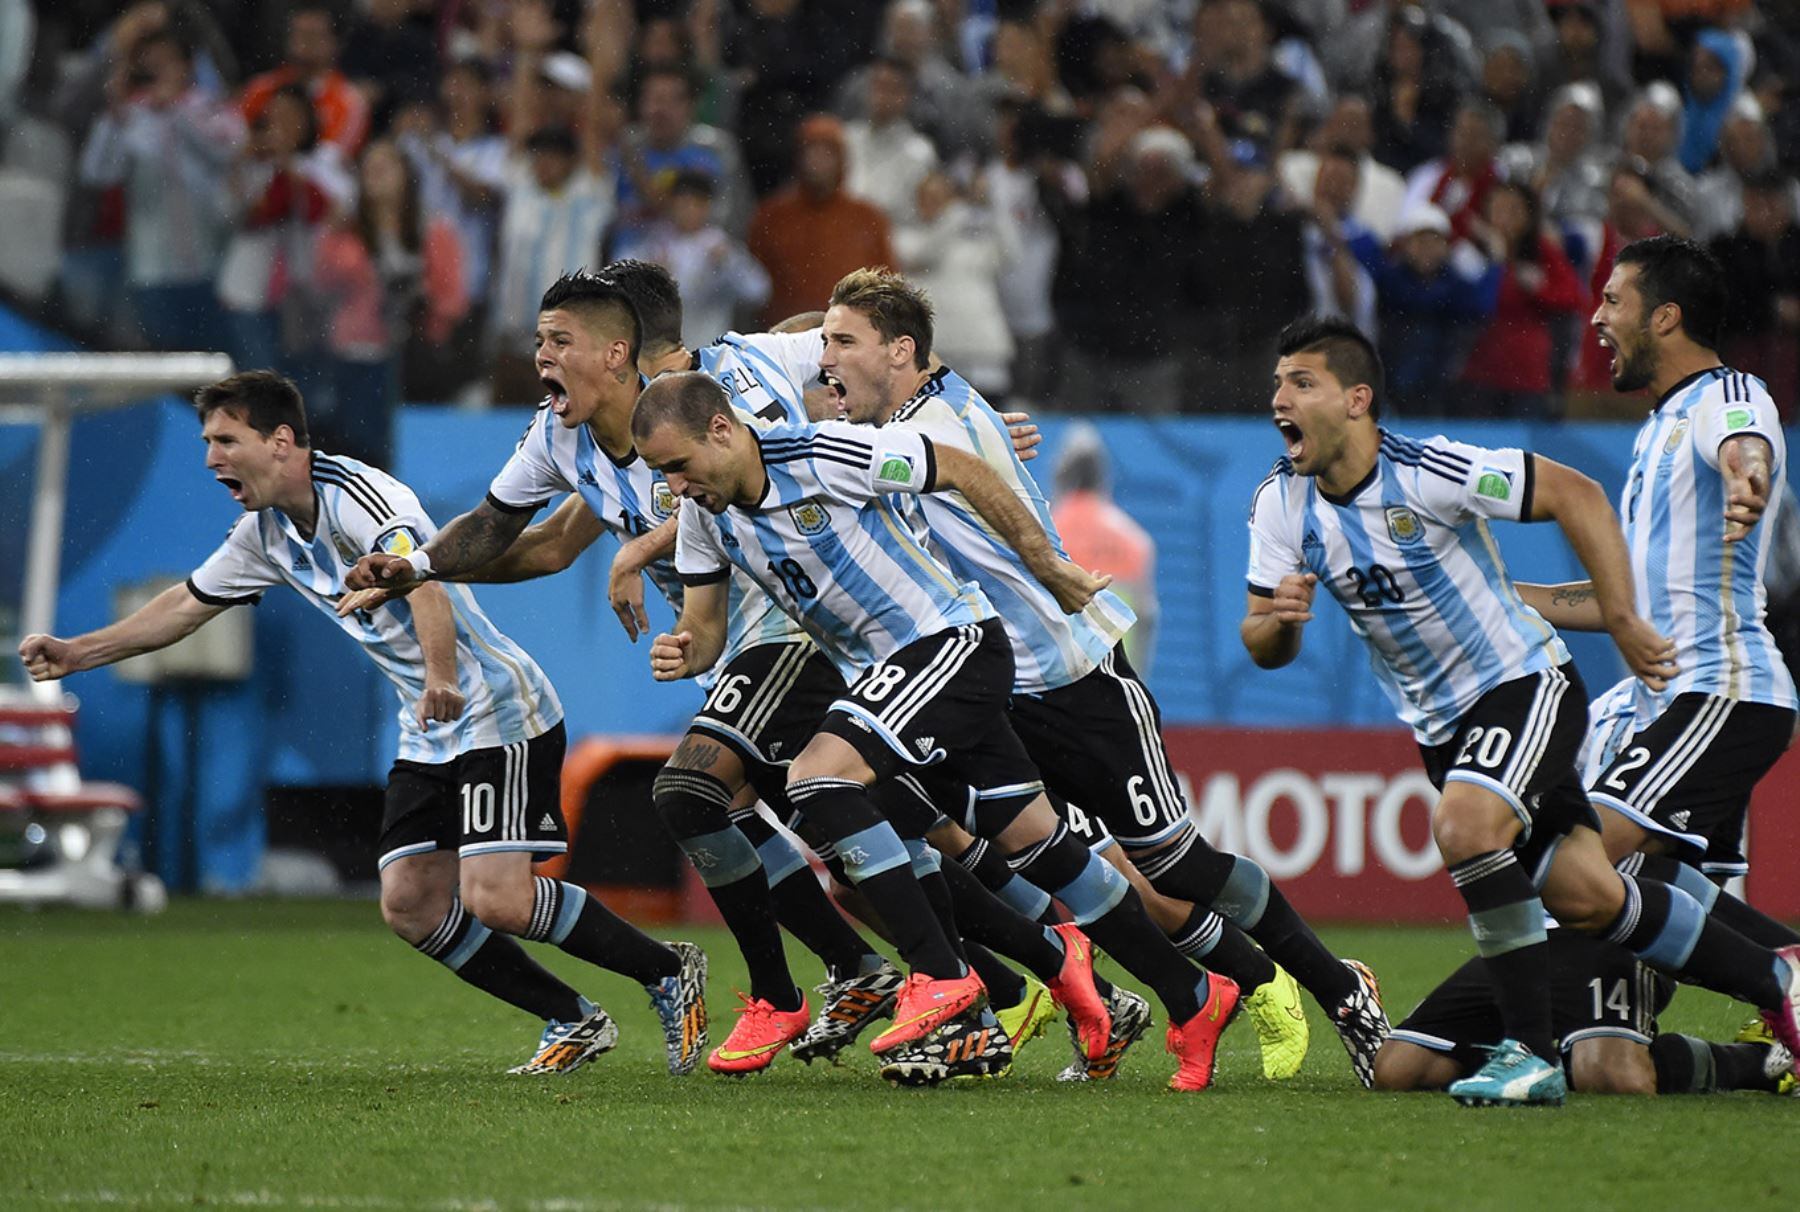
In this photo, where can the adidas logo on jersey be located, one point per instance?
(1680, 819)
(549, 822)
(926, 744)
(587, 477)
(301, 562)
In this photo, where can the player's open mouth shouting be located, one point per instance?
(234, 486)
(1292, 435)
(559, 395)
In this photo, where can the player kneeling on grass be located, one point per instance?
(473, 796)
(1396, 531)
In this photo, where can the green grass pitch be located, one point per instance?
(296, 1055)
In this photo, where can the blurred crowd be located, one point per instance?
(1114, 204)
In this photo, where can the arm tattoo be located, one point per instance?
(1572, 595)
(475, 538)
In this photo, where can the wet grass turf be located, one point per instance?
(296, 1055)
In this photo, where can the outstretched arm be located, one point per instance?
(1579, 506)
(436, 625)
(174, 614)
(470, 541)
(1073, 586)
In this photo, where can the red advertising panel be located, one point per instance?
(1342, 819)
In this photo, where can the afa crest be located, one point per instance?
(1675, 436)
(1404, 525)
(662, 501)
(810, 517)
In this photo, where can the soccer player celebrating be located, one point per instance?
(1396, 530)
(473, 796)
(806, 511)
(1087, 721)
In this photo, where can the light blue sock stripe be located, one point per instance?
(574, 900)
(1675, 942)
(1697, 886)
(1508, 927)
(869, 852)
(924, 859)
(1244, 896)
(780, 859)
(722, 857)
(1093, 894)
(477, 935)
(1025, 897)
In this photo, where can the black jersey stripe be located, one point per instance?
(331, 464)
(357, 492)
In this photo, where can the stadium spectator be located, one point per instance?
(666, 141)
(1023, 69)
(1416, 87)
(1762, 263)
(1746, 148)
(1380, 191)
(888, 158)
(944, 104)
(460, 161)
(1567, 168)
(811, 233)
(693, 41)
(1592, 47)
(1458, 183)
(282, 190)
(559, 198)
(954, 251)
(1509, 83)
(312, 64)
(393, 278)
(1718, 68)
(1508, 371)
(717, 276)
(389, 54)
(1103, 538)
(784, 57)
(1337, 283)
(1236, 74)
(1652, 132)
(1025, 136)
(1434, 296)
(1124, 316)
(167, 142)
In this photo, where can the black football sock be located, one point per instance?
(1719, 904)
(567, 917)
(1005, 987)
(1668, 930)
(495, 964)
(1685, 1065)
(1208, 939)
(1242, 893)
(983, 860)
(801, 904)
(984, 919)
(1507, 920)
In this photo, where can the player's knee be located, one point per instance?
(412, 908)
(1589, 906)
(1397, 1069)
(502, 904)
(1596, 1075)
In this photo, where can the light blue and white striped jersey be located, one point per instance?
(1050, 648)
(1694, 587)
(828, 543)
(629, 499)
(1613, 718)
(1409, 555)
(363, 510)
(766, 373)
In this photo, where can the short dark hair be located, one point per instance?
(1349, 355)
(655, 297)
(672, 70)
(694, 181)
(261, 399)
(1671, 269)
(559, 139)
(688, 399)
(894, 306)
(596, 297)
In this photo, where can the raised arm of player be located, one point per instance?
(699, 636)
(1271, 625)
(174, 614)
(1745, 462)
(436, 624)
(625, 586)
(470, 541)
(1579, 506)
(1072, 585)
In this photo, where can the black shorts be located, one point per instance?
(915, 802)
(766, 705)
(487, 801)
(1098, 742)
(1520, 741)
(1597, 989)
(941, 700)
(1687, 777)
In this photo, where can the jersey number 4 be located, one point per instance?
(1374, 585)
